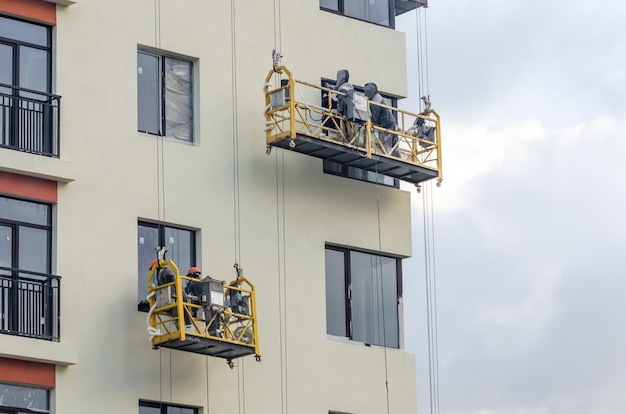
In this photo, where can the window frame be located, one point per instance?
(341, 10)
(142, 267)
(161, 95)
(28, 389)
(164, 408)
(17, 224)
(348, 297)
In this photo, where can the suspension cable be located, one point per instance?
(379, 270)
(431, 298)
(237, 221)
(281, 235)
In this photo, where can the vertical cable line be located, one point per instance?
(237, 217)
(431, 298)
(236, 196)
(280, 221)
(160, 184)
(379, 269)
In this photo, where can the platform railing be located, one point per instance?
(184, 316)
(290, 111)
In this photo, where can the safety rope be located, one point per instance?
(379, 270)
(281, 235)
(422, 53)
(431, 297)
(236, 195)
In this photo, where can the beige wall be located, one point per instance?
(285, 220)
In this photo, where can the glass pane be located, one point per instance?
(330, 4)
(356, 8)
(6, 248)
(179, 244)
(335, 293)
(6, 66)
(374, 299)
(33, 250)
(33, 71)
(24, 32)
(389, 293)
(148, 93)
(379, 12)
(178, 99)
(148, 240)
(24, 211)
(148, 410)
(180, 410)
(23, 397)
(6, 77)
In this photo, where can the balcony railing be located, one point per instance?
(29, 120)
(30, 304)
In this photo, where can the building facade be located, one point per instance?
(127, 125)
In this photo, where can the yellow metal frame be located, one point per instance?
(296, 116)
(167, 322)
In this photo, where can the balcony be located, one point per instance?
(29, 304)
(29, 120)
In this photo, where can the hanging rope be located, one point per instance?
(422, 54)
(431, 297)
(280, 231)
(379, 270)
(237, 221)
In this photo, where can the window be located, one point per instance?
(150, 407)
(164, 96)
(180, 244)
(29, 295)
(373, 11)
(17, 399)
(362, 292)
(331, 167)
(381, 12)
(28, 111)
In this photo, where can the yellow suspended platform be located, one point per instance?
(219, 321)
(299, 117)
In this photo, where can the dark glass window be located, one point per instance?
(25, 235)
(180, 244)
(362, 292)
(164, 96)
(27, 109)
(373, 11)
(18, 399)
(152, 407)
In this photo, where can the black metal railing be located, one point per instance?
(29, 120)
(30, 304)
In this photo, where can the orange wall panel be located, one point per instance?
(30, 187)
(27, 372)
(31, 9)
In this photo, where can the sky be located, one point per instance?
(529, 223)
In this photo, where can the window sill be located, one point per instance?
(38, 350)
(62, 2)
(37, 166)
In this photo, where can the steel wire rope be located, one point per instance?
(379, 269)
(160, 184)
(429, 253)
(431, 297)
(236, 183)
(280, 219)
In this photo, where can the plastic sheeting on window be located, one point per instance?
(178, 99)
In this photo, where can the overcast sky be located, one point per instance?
(530, 223)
